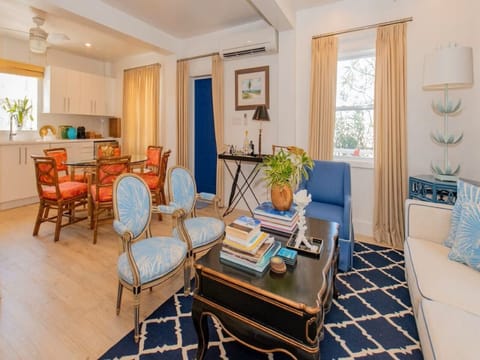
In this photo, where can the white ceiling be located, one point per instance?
(115, 27)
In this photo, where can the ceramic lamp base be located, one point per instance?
(443, 177)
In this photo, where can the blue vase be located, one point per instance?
(72, 133)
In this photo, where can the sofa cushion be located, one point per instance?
(466, 247)
(447, 332)
(466, 193)
(435, 277)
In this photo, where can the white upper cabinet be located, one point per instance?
(73, 92)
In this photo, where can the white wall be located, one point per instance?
(434, 23)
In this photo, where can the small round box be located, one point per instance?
(277, 265)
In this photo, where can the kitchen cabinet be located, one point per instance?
(73, 92)
(61, 94)
(93, 96)
(17, 173)
(78, 151)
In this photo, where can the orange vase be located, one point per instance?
(282, 197)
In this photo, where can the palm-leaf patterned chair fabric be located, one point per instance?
(200, 233)
(145, 260)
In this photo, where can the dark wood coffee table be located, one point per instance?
(269, 312)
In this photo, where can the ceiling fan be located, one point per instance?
(38, 37)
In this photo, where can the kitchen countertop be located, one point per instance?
(50, 141)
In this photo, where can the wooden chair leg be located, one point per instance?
(119, 297)
(58, 224)
(38, 221)
(136, 310)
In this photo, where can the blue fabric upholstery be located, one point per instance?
(183, 193)
(203, 230)
(145, 261)
(330, 187)
(155, 257)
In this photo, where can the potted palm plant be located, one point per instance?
(283, 172)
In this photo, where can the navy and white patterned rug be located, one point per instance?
(371, 319)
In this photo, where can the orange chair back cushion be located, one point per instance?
(153, 157)
(60, 158)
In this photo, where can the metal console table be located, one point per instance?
(242, 182)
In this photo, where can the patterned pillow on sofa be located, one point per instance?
(466, 246)
(466, 193)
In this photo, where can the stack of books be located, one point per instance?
(283, 223)
(247, 247)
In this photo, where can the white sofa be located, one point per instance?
(445, 294)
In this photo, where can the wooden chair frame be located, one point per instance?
(47, 177)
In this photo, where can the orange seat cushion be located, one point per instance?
(151, 180)
(68, 190)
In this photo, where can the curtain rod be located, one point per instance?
(198, 56)
(141, 66)
(366, 27)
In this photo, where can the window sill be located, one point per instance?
(355, 162)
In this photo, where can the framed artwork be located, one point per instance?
(251, 88)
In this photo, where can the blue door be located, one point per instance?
(205, 147)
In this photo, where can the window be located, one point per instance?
(16, 87)
(354, 125)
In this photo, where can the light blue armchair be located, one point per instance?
(145, 260)
(200, 233)
(329, 185)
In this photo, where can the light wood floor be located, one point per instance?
(57, 300)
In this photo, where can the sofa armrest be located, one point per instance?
(427, 220)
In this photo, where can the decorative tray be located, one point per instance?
(302, 249)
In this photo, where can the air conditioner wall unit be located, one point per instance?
(260, 42)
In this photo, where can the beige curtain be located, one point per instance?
(390, 135)
(217, 96)
(182, 113)
(323, 87)
(141, 95)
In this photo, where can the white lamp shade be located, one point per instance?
(452, 66)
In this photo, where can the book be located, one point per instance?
(288, 255)
(243, 228)
(250, 247)
(267, 209)
(248, 266)
(267, 219)
(255, 257)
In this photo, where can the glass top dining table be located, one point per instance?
(137, 160)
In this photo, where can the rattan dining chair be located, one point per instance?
(60, 156)
(145, 260)
(100, 185)
(62, 197)
(156, 181)
(200, 233)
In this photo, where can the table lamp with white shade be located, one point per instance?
(447, 68)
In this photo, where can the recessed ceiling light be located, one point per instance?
(88, 45)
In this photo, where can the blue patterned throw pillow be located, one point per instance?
(466, 246)
(466, 193)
